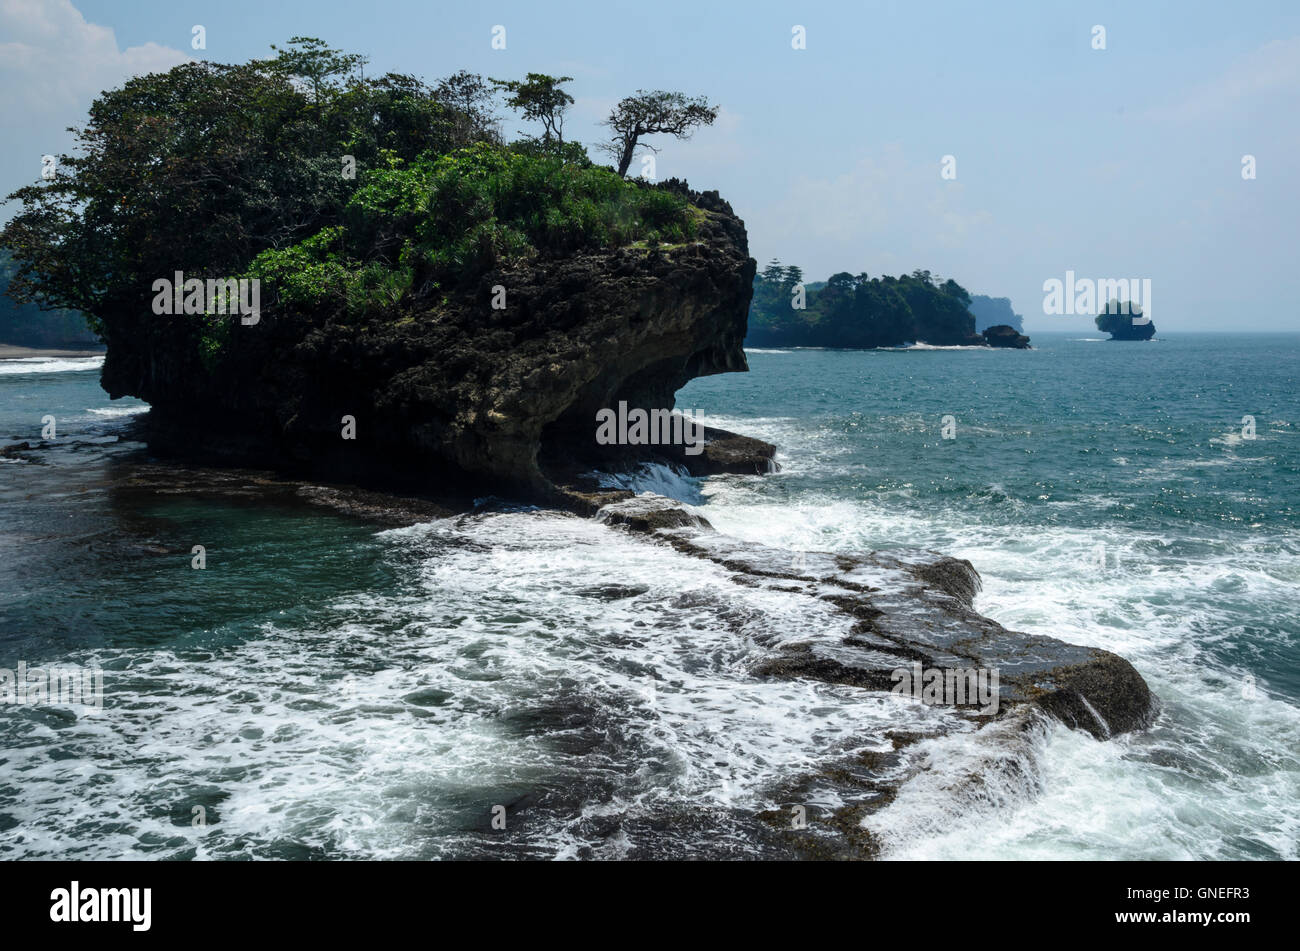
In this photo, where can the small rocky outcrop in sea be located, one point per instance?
(1125, 326)
(1005, 336)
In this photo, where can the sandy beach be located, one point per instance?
(9, 352)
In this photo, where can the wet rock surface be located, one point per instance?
(910, 609)
(910, 606)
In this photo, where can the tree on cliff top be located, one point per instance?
(346, 196)
(309, 60)
(653, 113)
(204, 166)
(539, 97)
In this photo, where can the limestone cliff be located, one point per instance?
(452, 390)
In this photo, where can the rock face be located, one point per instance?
(1005, 336)
(455, 391)
(1123, 326)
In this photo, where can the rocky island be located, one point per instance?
(1125, 322)
(1003, 335)
(850, 311)
(433, 308)
(459, 311)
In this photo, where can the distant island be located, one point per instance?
(861, 312)
(27, 325)
(995, 312)
(1117, 320)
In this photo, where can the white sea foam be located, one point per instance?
(669, 481)
(527, 652)
(25, 365)
(118, 411)
(934, 346)
(1195, 786)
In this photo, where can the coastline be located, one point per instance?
(13, 352)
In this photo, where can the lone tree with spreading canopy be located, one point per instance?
(540, 98)
(313, 62)
(653, 113)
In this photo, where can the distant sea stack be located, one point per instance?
(994, 312)
(1006, 337)
(1128, 325)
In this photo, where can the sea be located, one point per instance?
(511, 682)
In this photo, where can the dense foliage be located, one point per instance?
(857, 311)
(441, 220)
(222, 171)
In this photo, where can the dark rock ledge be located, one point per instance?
(906, 606)
(910, 605)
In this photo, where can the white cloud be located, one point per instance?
(1273, 67)
(54, 60)
(52, 65)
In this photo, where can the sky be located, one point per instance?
(1122, 162)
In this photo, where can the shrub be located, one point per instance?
(449, 219)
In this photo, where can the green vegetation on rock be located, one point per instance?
(344, 195)
(442, 220)
(858, 311)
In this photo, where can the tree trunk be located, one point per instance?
(624, 160)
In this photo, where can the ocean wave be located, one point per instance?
(25, 365)
(934, 346)
(673, 482)
(118, 411)
(527, 655)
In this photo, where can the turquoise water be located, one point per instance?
(327, 687)
(1107, 495)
